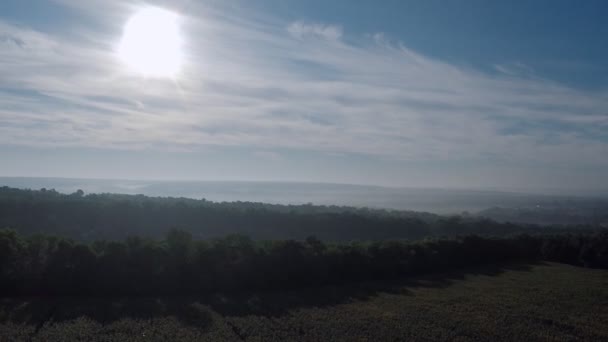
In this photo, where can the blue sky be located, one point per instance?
(559, 39)
(398, 93)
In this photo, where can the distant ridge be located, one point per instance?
(442, 201)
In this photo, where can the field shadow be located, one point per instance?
(278, 303)
(104, 310)
(199, 310)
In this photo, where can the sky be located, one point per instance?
(448, 94)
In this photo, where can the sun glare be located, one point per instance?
(151, 43)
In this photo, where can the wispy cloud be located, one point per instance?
(263, 83)
(301, 30)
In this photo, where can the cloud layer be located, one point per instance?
(259, 82)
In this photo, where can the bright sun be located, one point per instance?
(151, 43)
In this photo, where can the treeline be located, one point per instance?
(179, 264)
(568, 213)
(114, 217)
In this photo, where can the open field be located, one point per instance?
(550, 302)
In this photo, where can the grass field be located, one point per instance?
(545, 302)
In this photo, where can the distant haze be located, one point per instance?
(418, 199)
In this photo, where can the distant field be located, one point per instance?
(548, 302)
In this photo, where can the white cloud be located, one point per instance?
(248, 82)
(301, 30)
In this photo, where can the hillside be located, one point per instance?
(116, 216)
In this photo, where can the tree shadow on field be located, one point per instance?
(198, 310)
(278, 303)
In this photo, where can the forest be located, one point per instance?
(107, 244)
(116, 217)
(179, 264)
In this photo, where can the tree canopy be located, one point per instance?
(115, 217)
(180, 264)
